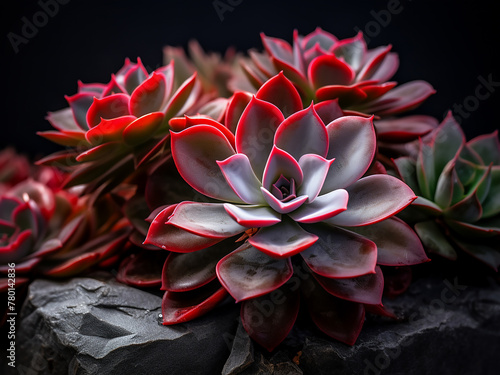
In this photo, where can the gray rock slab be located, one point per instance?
(98, 326)
(89, 326)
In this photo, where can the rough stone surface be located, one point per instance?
(88, 326)
(443, 328)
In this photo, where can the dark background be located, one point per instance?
(448, 43)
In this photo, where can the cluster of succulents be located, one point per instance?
(283, 178)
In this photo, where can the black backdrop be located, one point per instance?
(451, 44)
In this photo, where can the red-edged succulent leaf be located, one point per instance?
(169, 237)
(352, 50)
(346, 95)
(188, 271)
(280, 206)
(397, 244)
(107, 108)
(249, 273)
(149, 96)
(205, 219)
(315, 169)
(405, 128)
(282, 240)
(70, 139)
(365, 289)
(339, 253)
(253, 216)
(269, 318)
(282, 93)
(79, 104)
(372, 199)
(143, 269)
(17, 249)
(381, 65)
(101, 152)
(183, 98)
(302, 133)
(328, 70)
(401, 99)
(328, 110)
(203, 120)
(322, 208)
(133, 76)
(179, 307)
(142, 129)
(255, 132)
(352, 144)
(215, 109)
(88, 255)
(235, 107)
(196, 151)
(64, 121)
(319, 37)
(336, 317)
(239, 175)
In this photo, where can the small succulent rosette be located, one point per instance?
(293, 217)
(458, 188)
(111, 128)
(323, 67)
(53, 233)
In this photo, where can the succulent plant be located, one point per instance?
(458, 188)
(289, 185)
(214, 70)
(47, 233)
(14, 168)
(111, 127)
(324, 68)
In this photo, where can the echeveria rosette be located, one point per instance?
(47, 233)
(458, 188)
(291, 185)
(110, 127)
(323, 67)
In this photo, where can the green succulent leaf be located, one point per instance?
(491, 203)
(434, 239)
(446, 142)
(449, 189)
(406, 168)
(426, 174)
(488, 147)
